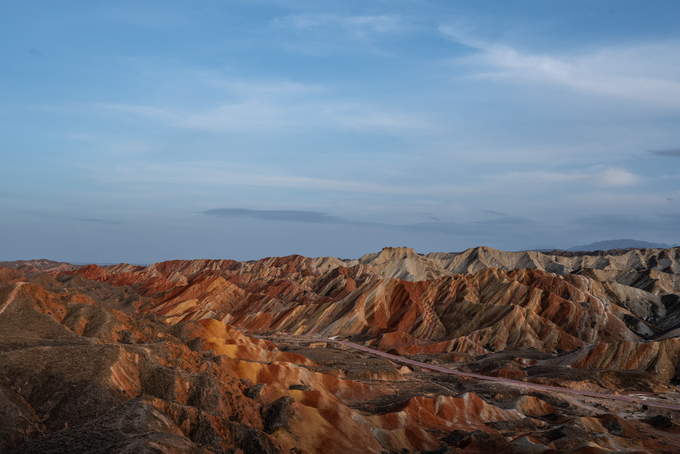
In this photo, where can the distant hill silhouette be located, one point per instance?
(39, 264)
(620, 244)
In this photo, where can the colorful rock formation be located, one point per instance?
(488, 311)
(163, 358)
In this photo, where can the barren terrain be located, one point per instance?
(480, 351)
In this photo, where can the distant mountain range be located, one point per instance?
(39, 265)
(620, 244)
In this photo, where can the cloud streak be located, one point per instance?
(469, 229)
(673, 216)
(617, 177)
(314, 217)
(285, 113)
(358, 25)
(609, 177)
(670, 153)
(74, 218)
(100, 221)
(647, 72)
(224, 174)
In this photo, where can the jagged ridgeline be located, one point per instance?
(541, 300)
(162, 357)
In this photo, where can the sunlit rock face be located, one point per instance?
(163, 359)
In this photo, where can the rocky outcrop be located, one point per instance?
(530, 406)
(659, 359)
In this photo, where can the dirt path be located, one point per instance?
(481, 377)
(11, 296)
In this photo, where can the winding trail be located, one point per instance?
(11, 296)
(401, 359)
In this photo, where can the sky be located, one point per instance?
(141, 131)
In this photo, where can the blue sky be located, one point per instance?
(146, 131)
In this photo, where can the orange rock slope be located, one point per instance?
(69, 368)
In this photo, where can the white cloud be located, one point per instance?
(542, 177)
(225, 174)
(610, 177)
(250, 88)
(268, 115)
(376, 118)
(357, 25)
(152, 112)
(246, 105)
(647, 72)
(226, 103)
(617, 177)
(323, 34)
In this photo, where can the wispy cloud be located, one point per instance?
(429, 216)
(100, 221)
(220, 174)
(505, 220)
(501, 227)
(249, 88)
(471, 229)
(314, 217)
(646, 72)
(670, 153)
(247, 115)
(609, 177)
(358, 26)
(322, 34)
(225, 174)
(619, 222)
(361, 116)
(660, 225)
(491, 228)
(617, 177)
(274, 107)
(673, 216)
(73, 218)
(224, 102)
